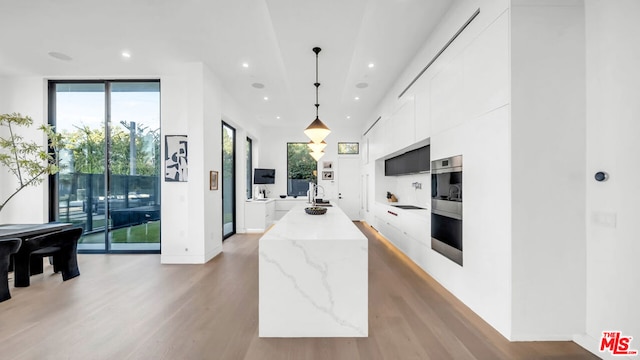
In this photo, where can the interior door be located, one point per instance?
(348, 178)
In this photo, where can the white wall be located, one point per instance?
(548, 169)
(234, 115)
(196, 105)
(191, 104)
(26, 96)
(613, 111)
(183, 203)
(273, 153)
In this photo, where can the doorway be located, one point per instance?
(228, 180)
(109, 181)
(348, 186)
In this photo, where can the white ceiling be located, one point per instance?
(275, 37)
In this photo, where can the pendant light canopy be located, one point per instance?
(317, 130)
(317, 147)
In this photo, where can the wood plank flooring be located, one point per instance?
(132, 307)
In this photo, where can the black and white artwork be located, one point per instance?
(175, 158)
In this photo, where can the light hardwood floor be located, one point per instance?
(132, 307)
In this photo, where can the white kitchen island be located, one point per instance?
(313, 277)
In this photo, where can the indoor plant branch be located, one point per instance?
(27, 160)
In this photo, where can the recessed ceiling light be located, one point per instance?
(348, 117)
(60, 56)
(278, 117)
(126, 54)
(258, 85)
(371, 65)
(362, 85)
(266, 98)
(356, 98)
(245, 65)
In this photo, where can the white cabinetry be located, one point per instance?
(408, 230)
(401, 127)
(284, 205)
(422, 118)
(259, 215)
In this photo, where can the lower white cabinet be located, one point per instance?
(408, 230)
(284, 205)
(259, 215)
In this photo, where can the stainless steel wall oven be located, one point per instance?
(446, 207)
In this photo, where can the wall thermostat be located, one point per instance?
(601, 176)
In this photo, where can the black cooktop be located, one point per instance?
(409, 207)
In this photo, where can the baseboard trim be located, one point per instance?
(592, 345)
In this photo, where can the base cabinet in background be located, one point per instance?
(259, 215)
(284, 205)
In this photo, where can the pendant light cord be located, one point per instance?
(317, 84)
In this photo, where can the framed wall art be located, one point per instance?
(176, 158)
(327, 175)
(213, 180)
(350, 148)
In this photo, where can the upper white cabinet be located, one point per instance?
(485, 66)
(446, 103)
(401, 126)
(422, 117)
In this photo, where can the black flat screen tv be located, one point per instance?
(264, 176)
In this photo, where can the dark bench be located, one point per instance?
(61, 245)
(7, 247)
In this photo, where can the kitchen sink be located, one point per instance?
(409, 207)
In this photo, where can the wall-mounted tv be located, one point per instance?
(264, 176)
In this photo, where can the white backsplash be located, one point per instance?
(408, 194)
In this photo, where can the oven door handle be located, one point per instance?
(446, 214)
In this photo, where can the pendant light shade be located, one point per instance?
(316, 155)
(317, 146)
(317, 130)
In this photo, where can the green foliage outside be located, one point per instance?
(145, 233)
(300, 164)
(87, 147)
(28, 161)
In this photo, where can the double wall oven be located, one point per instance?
(446, 207)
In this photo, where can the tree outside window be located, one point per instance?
(301, 169)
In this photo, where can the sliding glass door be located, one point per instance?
(109, 181)
(228, 180)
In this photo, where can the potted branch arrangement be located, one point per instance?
(28, 161)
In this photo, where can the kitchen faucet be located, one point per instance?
(313, 192)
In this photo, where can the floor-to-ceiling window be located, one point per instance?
(228, 180)
(249, 167)
(109, 182)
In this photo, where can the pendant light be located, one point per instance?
(316, 155)
(317, 147)
(317, 130)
